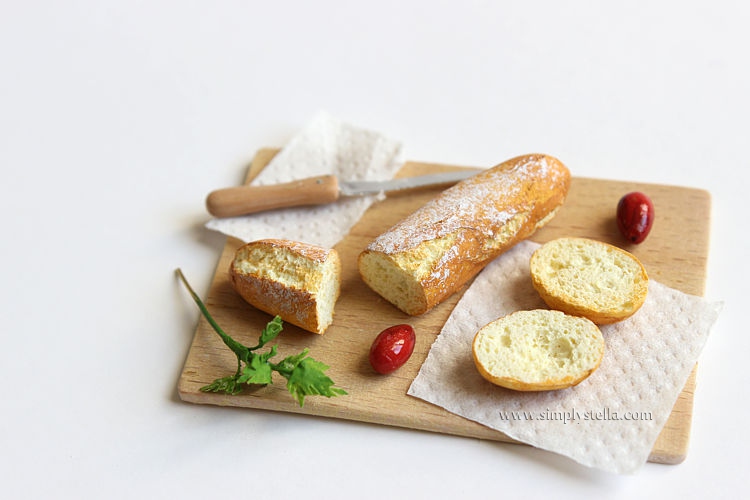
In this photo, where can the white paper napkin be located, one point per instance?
(609, 421)
(325, 146)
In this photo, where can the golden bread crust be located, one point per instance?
(284, 278)
(306, 250)
(293, 305)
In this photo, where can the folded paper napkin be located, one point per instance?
(610, 420)
(325, 146)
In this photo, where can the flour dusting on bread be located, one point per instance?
(430, 254)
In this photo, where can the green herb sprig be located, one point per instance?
(304, 375)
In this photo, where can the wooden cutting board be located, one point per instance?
(675, 254)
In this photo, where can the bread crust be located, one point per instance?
(306, 250)
(545, 385)
(466, 227)
(298, 305)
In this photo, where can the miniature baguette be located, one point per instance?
(296, 281)
(431, 254)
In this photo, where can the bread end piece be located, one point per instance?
(589, 278)
(296, 281)
(538, 350)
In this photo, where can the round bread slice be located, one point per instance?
(538, 350)
(589, 278)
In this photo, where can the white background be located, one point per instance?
(116, 119)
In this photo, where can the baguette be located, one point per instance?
(296, 281)
(537, 350)
(589, 278)
(431, 254)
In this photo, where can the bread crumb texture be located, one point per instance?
(589, 278)
(538, 350)
(294, 280)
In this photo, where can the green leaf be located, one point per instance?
(308, 378)
(287, 365)
(227, 385)
(270, 332)
(258, 370)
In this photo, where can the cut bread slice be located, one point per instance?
(296, 281)
(538, 350)
(589, 278)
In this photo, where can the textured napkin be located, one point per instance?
(325, 146)
(610, 420)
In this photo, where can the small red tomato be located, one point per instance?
(635, 216)
(392, 348)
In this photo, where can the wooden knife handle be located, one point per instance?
(242, 200)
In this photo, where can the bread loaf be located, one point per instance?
(538, 350)
(428, 256)
(589, 278)
(296, 281)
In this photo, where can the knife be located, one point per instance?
(318, 190)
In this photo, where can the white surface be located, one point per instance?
(116, 121)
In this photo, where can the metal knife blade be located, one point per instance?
(248, 199)
(362, 188)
